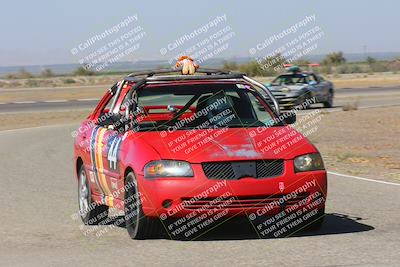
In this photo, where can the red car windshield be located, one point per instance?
(201, 106)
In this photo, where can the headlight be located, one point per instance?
(168, 168)
(309, 162)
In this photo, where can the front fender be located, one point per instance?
(136, 152)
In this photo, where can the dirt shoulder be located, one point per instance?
(361, 142)
(35, 119)
(46, 94)
(365, 80)
(56, 82)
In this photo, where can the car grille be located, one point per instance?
(249, 202)
(236, 170)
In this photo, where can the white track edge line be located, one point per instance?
(363, 179)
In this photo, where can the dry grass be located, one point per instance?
(364, 80)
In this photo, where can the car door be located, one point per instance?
(111, 150)
(318, 87)
(104, 148)
(112, 142)
(325, 87)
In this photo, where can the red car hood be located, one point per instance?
(228, 144)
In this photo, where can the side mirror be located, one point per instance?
(130, 106)
(289, 117)
(116, 118)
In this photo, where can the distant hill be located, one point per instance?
(151, 64)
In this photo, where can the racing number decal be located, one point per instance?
(96, 155)
(113, 144)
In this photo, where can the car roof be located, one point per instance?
(193, 82)
(175, 75)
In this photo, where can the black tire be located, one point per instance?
(137, 224)
(329, 102)
(302, 99)
(90, 212)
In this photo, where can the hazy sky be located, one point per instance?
(44, 31)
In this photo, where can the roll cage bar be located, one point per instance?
(142, 78)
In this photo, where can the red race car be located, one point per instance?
(178, 152)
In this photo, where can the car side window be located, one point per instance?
(104, 119)
(314, 78)
(124, 103)
(258, 109)
(108, 105)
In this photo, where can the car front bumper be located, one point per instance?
(286, 99)
(198, 195)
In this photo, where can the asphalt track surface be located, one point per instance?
(366, 97)
(38, 193)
